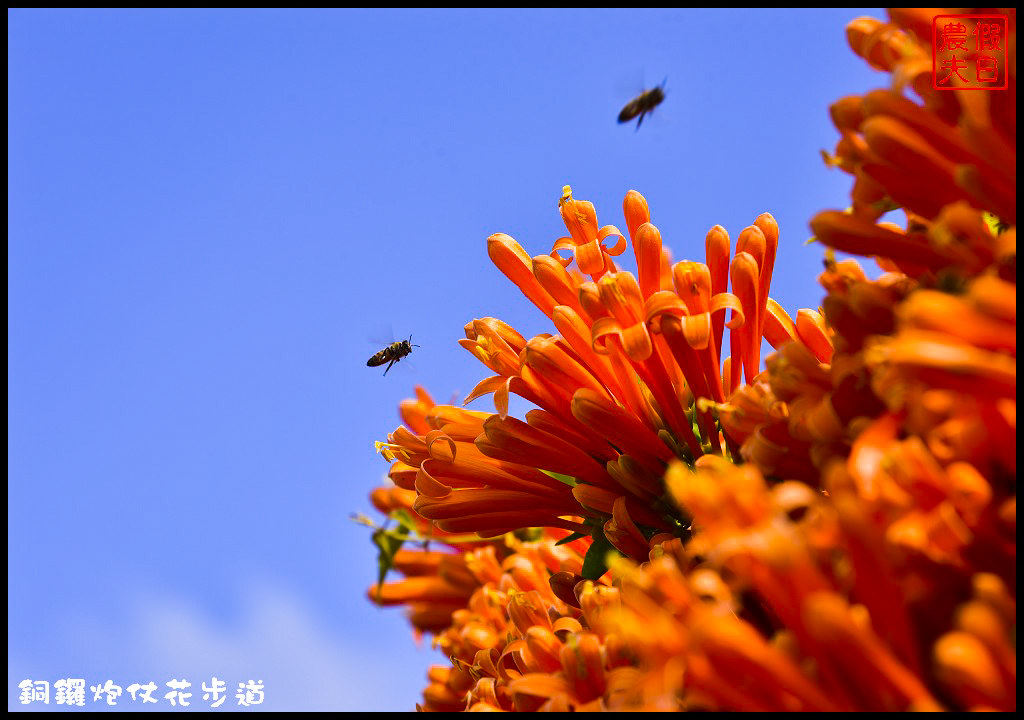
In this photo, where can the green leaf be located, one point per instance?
(570, 538)
(568, 480)
(595, 564)
(388, 543)
(405, 521)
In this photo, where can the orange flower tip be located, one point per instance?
(717, 244)
(753, 241)
(648, 233)
(846, 113)
(744, 269)
(635, 210)
(769, 226)
(982, 621)
(963, 662)
(506, 245)
(991, 589)
(881, 44)
(861, 26)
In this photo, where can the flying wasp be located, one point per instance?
(642, 104)
(392, 354)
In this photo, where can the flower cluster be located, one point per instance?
(679, 526)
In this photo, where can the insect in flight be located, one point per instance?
(642, 104)
(392, 354)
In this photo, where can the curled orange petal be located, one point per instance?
(590, 258)
(609, 231)
(810, 327)
(779, 328)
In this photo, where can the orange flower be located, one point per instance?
(587, 241)
(679, 526)
(624, 389)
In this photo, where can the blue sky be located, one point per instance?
(215, 218)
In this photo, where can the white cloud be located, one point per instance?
(274, 637)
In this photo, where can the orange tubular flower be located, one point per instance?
(621, 392)
(616, 399)
(678, 525)
(586, 241)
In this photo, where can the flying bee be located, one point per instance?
(642, 104)
(392, 354)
